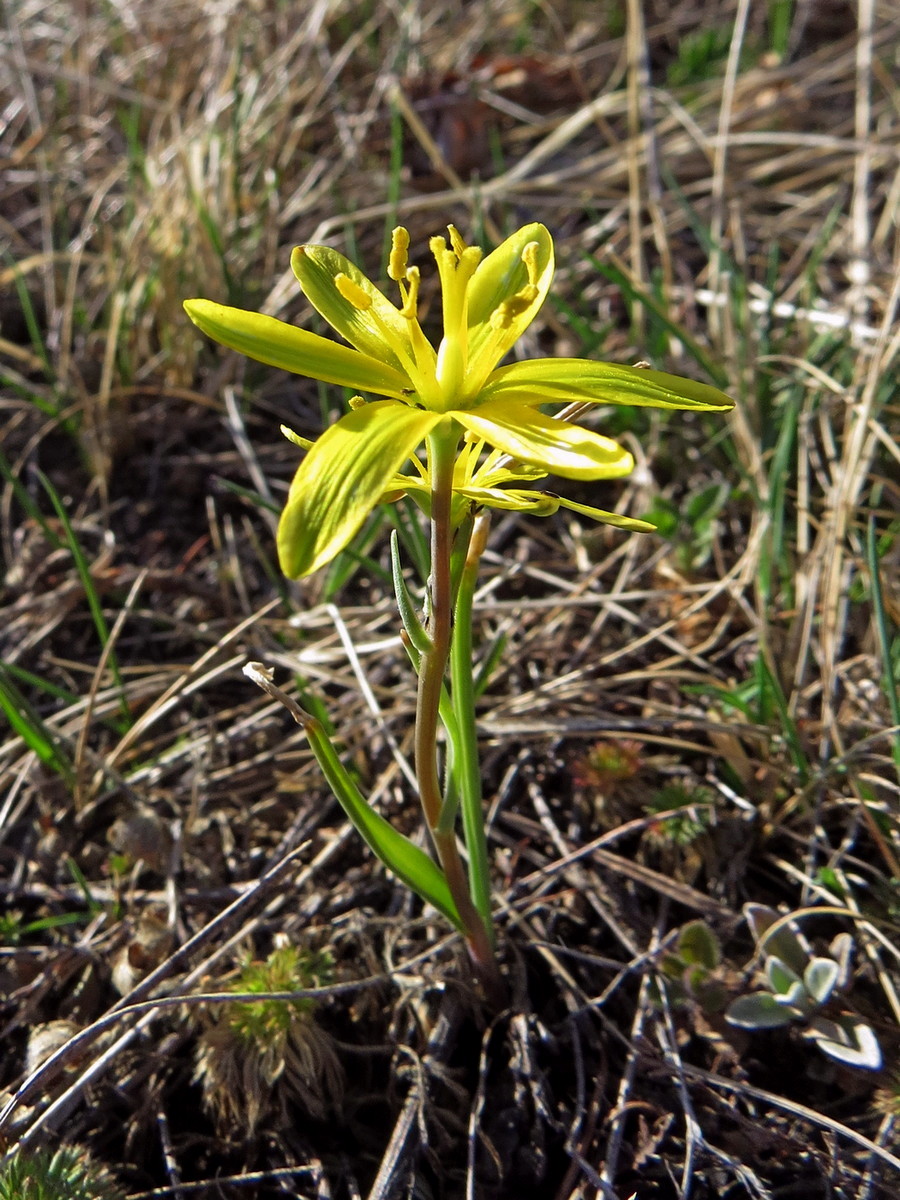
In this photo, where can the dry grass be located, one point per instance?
(726, 206)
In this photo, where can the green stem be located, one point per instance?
(463, 697)
(432, 667)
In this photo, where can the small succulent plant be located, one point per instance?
(68, 1173)
(805, 988)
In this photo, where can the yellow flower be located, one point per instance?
(487, 304)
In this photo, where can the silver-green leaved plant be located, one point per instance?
(805, 988)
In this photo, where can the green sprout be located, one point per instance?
(69, 1173)
(686, 827)
(484, 434)
(805, 988)
(692, 969)
(256, 1057)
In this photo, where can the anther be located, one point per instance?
(352, 292)
(399, 254)
(529, 258)
(459, 246)
(506, 312)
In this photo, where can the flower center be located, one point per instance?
(456, 266)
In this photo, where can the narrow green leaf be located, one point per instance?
(404, 858)
(489, 661)
(463, 700)
(634, 294)
(405, 606)
(884, 641)
(36, 735)
(792, 738)
(90, 589)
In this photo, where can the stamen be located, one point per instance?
(357, 402)
(302, 442)
(529, 258)
(438, 247)
(502, 316)
(411, 298)
(399, 254)
(469, 260)
(506, 312)
(459, 246)
(352, 292)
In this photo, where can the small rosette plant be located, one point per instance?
(487, 440)
(805, 989)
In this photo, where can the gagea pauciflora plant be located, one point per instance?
(459, 434)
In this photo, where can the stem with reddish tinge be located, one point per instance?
(441, 458)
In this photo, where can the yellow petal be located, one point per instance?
(499, 279)
(487, 476)
(511, 499)
(302, 442)
(608, 518)
(544, 504)
(281, 345)
(343, 477)
(378, 330)
(564, 380)
(554, 446)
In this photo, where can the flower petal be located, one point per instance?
(282, 345)
(494, 477)
(511, 499)
(544, 504)
(343, 477)
(555, 446)
(608, 518)
(503, 276)
(564, 380)
(380, 330)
